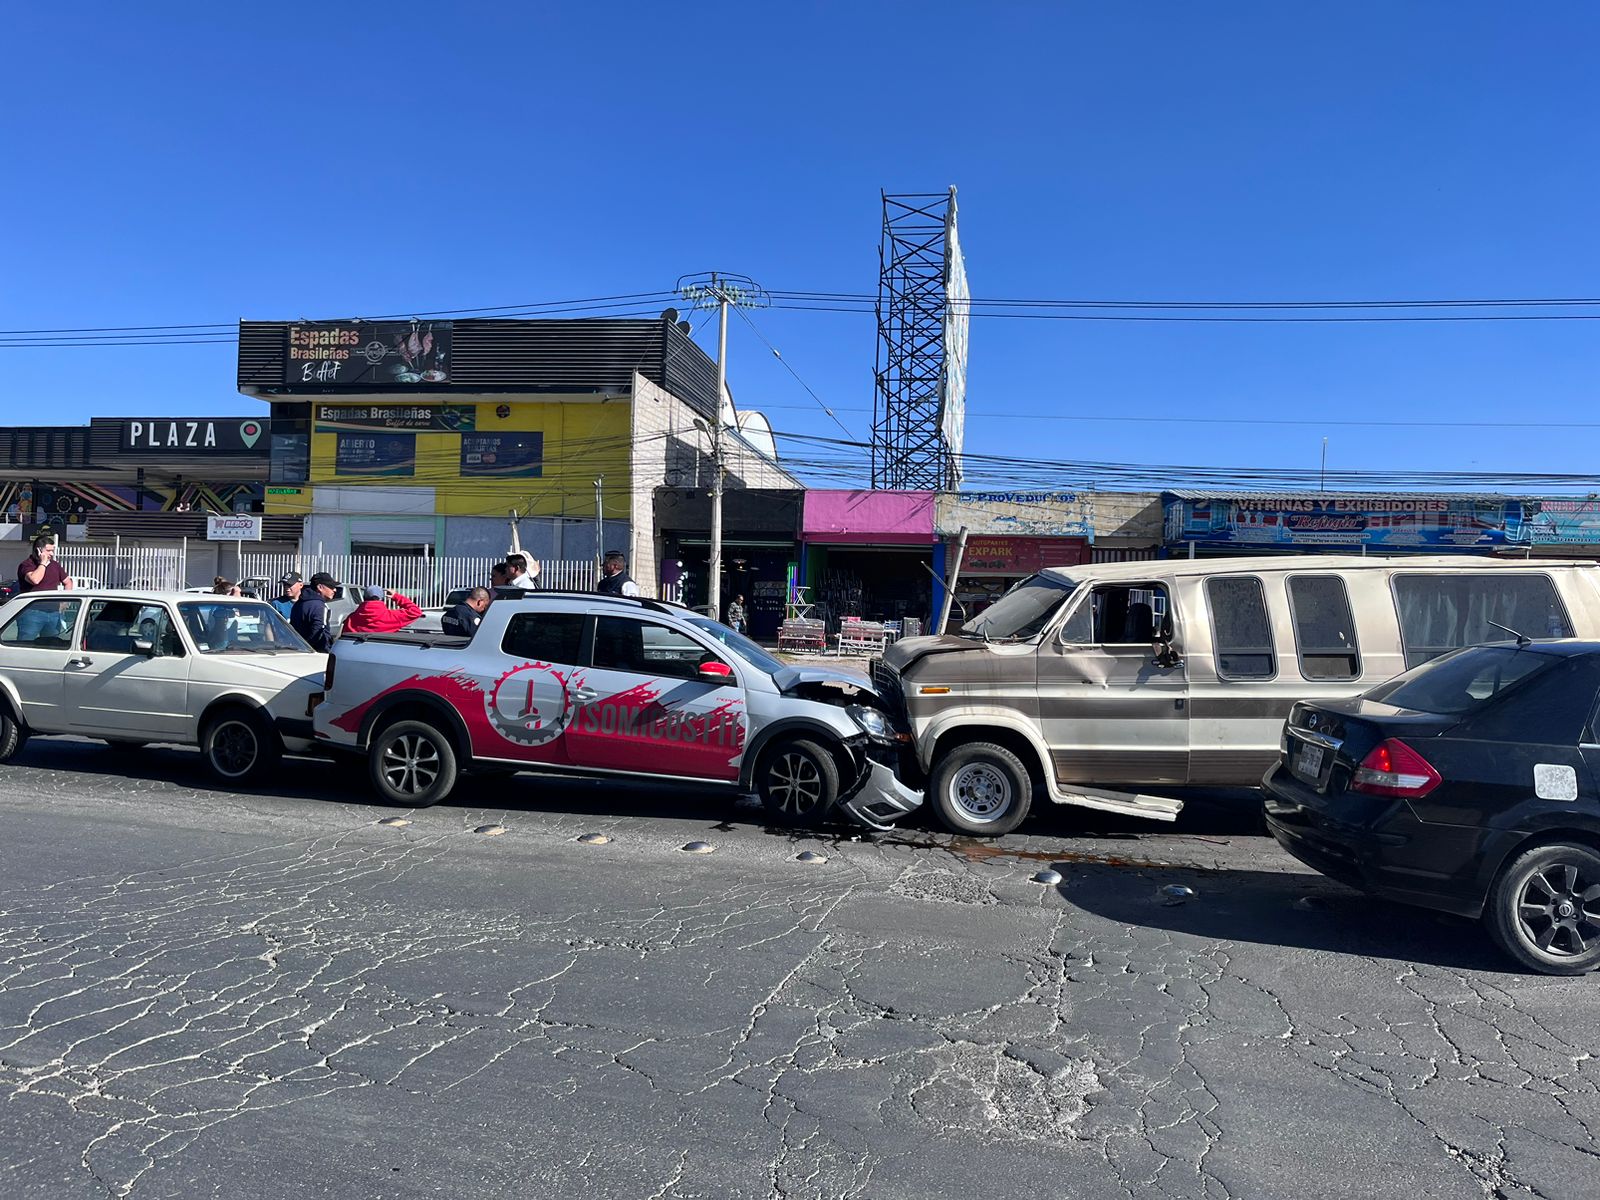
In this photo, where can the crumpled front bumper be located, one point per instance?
(879, 799)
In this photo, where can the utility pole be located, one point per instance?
(721, 290)
(599, 526)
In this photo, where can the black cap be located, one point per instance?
(289, 579)
(323, 579)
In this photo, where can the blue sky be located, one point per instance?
(200, 163)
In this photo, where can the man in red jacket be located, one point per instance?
(374, 615)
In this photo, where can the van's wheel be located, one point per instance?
(13, 737)
(981, 789)
(412, 763)
(798, 783)
(1544, 910)
(240, 746)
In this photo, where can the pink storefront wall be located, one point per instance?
(883, 518)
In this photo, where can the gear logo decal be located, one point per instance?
(530, 704)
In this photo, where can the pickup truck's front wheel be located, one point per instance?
(981, 789)
(412, 763)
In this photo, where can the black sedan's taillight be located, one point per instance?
(1392, 768)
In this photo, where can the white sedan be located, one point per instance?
(223, 673)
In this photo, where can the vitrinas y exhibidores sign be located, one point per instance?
(368, 353)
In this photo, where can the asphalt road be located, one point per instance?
(209, 994)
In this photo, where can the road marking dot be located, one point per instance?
(394, 822)
(490, 830)
(1047, 877)
(594, 839)
(697, 848)
(810, 856)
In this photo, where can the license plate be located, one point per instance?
(1308, 762)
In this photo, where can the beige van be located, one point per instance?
(1092, 683)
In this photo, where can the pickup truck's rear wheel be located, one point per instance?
(981, 789)
(798, 782)
(240, 745)
(412, 763)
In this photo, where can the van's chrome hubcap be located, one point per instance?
(410, 764)
(795, 784)
(1559, 910)
(981, 792)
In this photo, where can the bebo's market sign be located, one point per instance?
(233, 527)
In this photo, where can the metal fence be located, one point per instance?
(424, 578)
(141, 567)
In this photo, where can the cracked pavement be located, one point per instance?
(270, 994)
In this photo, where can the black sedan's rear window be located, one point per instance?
(1463, 682)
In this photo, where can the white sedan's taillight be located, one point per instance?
(1393, 768)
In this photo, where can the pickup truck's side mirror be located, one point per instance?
(712, 671)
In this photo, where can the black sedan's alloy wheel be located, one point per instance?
(412, 763)
(1544, 910)
(799, 783)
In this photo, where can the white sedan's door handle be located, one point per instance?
(82, 661)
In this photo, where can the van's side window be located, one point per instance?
(1439, 613)
(1239, 623)
(1126, 615)
(1324, 627)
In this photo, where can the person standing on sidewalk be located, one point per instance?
(736, 614)
(373, 614)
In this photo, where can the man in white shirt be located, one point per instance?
(524, 572)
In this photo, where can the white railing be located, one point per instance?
(425, 579)
(143, 568)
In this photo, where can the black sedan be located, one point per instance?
(1468, 784)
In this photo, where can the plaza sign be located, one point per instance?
(194, 435)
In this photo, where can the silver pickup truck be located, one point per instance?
(618, 687)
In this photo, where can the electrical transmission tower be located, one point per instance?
(923, 307)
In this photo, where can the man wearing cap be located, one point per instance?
(373, 614)
(310, 614)
(289, 589)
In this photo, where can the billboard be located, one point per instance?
(957, 319)
(1385, 522)
(502, 455)
(1558, 523)
(368, 353)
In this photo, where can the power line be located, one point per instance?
(788, 367)
(1452, 423)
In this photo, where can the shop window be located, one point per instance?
(1324, 627)
(1240, 627)
(1440, 613)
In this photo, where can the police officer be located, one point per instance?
(614, 578)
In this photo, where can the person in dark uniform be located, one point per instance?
(462, 620)
(614, 578)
